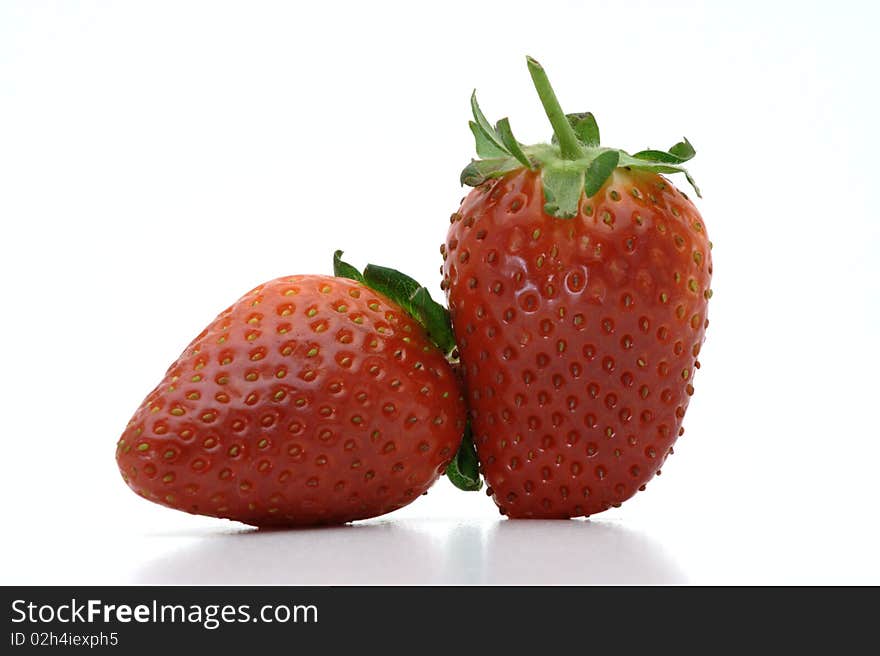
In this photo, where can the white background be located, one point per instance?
(158, 159)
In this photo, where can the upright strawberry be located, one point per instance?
(578, 282)
(311, 400)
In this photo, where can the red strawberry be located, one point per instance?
(311, 400)
(578, 283)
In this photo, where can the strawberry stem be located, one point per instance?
(573, 164)
(569, 147)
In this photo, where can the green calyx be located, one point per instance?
(574, 163)
(414, 298)
(416, 301)
(464, 469)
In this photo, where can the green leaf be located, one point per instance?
(416, 301)
(480, 170)
(678, 154)
(651, 164)
(435, 319)
(343, 269)
(692, 183)
(485, 147)
(663, 168)
(484, 126)
(464, 469)
(586, 128)
(562, 191)
(512, 145)
(687, 175)
(599, 171)
(397, 286)
(683, 150)
(658, 156)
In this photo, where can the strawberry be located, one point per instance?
(578, 282)
(311, 400)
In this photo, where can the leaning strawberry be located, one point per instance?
(578, 283)
(312, 400)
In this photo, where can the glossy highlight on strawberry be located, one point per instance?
(311, 400)
(579, 309)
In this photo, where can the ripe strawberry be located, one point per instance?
(311, 400)
(578, 283)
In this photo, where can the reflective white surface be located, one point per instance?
(448, 537)
(421, 552)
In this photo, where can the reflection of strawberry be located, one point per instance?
(311, 400)
(578, 283)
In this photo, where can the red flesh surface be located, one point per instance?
(579, 338)
(312, 400)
